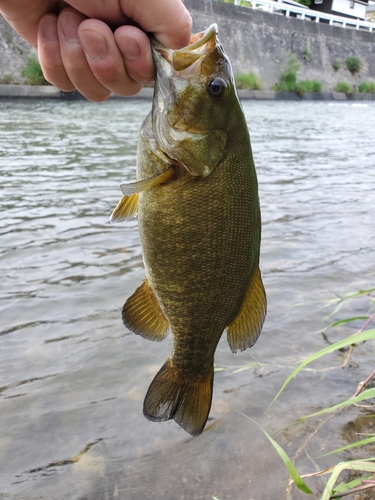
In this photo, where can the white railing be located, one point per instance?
(304, 13)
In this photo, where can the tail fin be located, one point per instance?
(184, 398)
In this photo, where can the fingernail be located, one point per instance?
(132, 50)
(69, 26)
(94, 44)
(48, 29)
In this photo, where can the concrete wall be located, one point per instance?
(255, 41)
(14, 53)
(259, 42)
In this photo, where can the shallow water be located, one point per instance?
(72, 378)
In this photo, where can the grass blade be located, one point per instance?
(298, 481)
(369, 393)
(355, 465)
(360, 337)
(349, 446)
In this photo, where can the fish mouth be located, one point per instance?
(183, 59)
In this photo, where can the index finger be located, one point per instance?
(168, 20)
(24, 16)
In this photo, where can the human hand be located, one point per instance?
(78, 50)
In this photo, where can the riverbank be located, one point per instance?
(50, 92)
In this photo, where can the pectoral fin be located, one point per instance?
(138, 186)
(143, 316)
(244, 330)
(126, 209)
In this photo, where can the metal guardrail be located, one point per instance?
(304, 14)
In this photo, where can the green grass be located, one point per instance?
(6, 78)
(308, 86)
(249, 81)
(359, 467)
(344, 88)
(33, 73)
(337, 63)
(353, 64)
(367, 88)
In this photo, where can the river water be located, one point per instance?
(72, 378)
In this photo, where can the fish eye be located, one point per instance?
(217, 87)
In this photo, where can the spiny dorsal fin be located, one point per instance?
(142, 314)
(138, 186)
(244, 330)
(126, 209)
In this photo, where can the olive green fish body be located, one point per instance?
(199, 224)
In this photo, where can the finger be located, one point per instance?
(168, 20)
(135, 48)
(74, 58)
(109, 11)
(105, 59)
(49, 54)
(24, 16)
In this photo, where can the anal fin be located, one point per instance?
(142, 314)
(245, 329)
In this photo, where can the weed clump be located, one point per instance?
(367, 88)
(248, 81)
(33, 73)
(344, 88)
(308, 86)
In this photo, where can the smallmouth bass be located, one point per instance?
(196, 197)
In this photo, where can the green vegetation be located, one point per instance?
(6, 78)
(33, 73)
(345, 88)
(362, 470)
(307, 3)
(337, 63)
(288, 78)
(353, 64)
(308, 86)
(307, 54)
(248, 81)
(367, 88)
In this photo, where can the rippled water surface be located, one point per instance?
(72, 378)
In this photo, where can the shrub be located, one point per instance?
(337, 63)
(367, 88)
(307, 3)
(353, 64)
(288, 82)
(344, 87)
(308, 86)
(288, 79)
(33, 73)
(292, 65)
(6, 78)
(248, 81)
(307, 54)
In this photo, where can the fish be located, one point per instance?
(196, 199)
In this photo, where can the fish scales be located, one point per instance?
(199, 224)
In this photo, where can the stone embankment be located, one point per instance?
(256, 41)
(50, 92)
